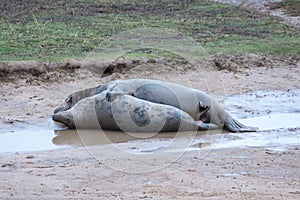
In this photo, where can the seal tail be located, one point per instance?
(235, 126)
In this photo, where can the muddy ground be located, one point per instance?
(30, 92)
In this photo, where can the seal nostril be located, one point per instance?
(57, 110)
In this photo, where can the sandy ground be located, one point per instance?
(252, 173)
(76, 173)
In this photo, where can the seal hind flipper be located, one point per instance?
(235, 126)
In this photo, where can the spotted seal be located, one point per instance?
(128, 113)
(179, 96)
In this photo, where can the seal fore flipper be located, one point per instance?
(206, 126)
(203, 109)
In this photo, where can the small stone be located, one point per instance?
(29, 157)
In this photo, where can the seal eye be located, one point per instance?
(68, 99)
(68, 119)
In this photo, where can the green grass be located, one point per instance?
(53, 30)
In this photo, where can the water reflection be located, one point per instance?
(98, 137)
(274, 132)
(34, 139)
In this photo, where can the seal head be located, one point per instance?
(65, 118)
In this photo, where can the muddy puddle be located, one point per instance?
(276, 114)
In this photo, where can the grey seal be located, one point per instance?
(179, 96)
(128, 113)
(73, 98)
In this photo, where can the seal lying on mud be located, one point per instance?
(128, 113)
(176, 95)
